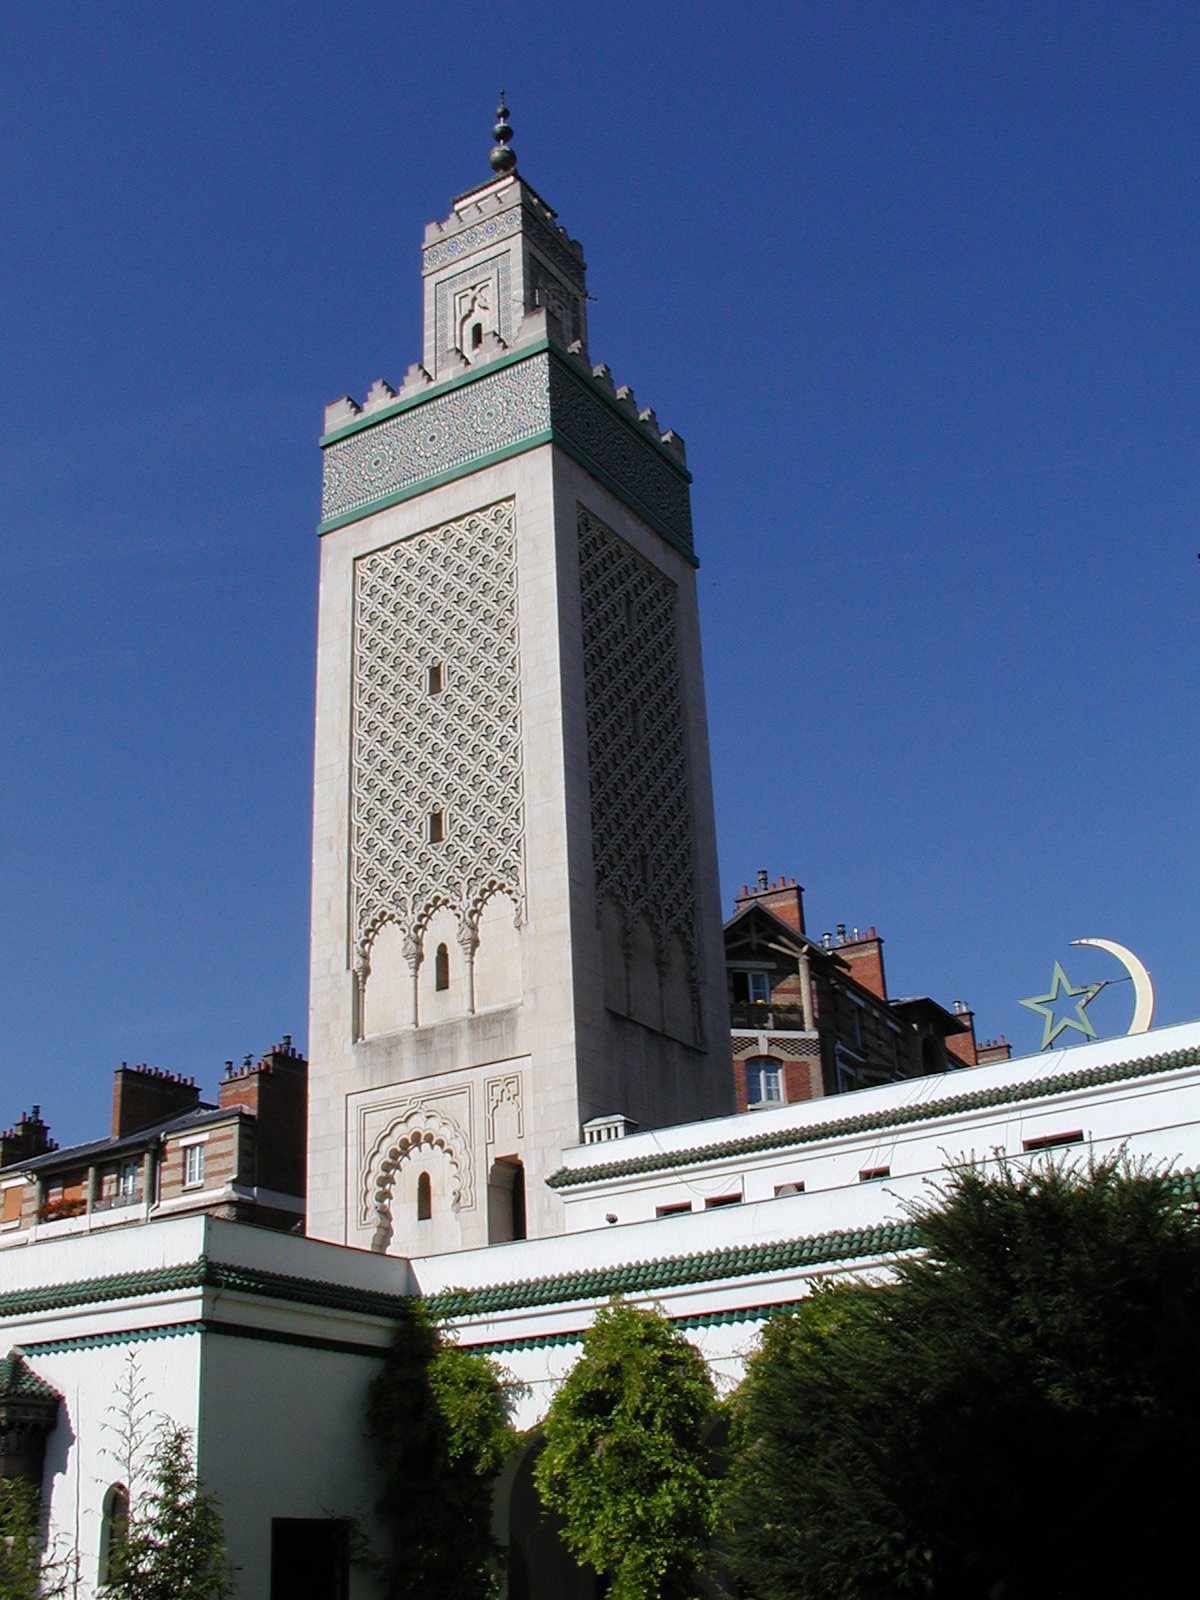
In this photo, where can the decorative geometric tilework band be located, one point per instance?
(500, 411)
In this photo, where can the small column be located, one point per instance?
(468, 943)
(806, 1000)
(412, 954)
(89, 1202)
(147, 1183)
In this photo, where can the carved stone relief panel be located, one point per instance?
(397, 1130)
(637, 751)
(505, 1111)
(480, 293)
(436, 801)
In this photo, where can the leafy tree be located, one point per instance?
(625, 1464)
(27, 1570)
(439, 1418)
(1015, 1414)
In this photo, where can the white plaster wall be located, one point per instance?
(283, 1436)
(81, 1459)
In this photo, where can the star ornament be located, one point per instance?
(1045, 1004)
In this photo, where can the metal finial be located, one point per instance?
(503, 158)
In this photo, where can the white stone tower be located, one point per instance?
(516, 925)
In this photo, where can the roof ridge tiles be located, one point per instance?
(869, 1121)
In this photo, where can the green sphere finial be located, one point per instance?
(503, 158)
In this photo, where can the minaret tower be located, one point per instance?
(516, 924)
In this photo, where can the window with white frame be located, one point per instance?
(752, 988)
(764, 1081)
(193, 1166)
(128, 1181)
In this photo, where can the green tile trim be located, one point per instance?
(878, 1121)
(98, 1341)
(463, 470)
(202, 1273)
(631, 500)
(478, 463)
(703, 1319)
(206, 1327)
(642, 1277)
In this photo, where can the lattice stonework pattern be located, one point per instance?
(637, 753)
(445, 599)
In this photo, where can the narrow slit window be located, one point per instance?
(476, 335)
(435, 678)
(435, 827)
(873, 1174)
(441, 968)
(424, 1198)
(1052, 1141)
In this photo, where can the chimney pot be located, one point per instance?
(763, 880)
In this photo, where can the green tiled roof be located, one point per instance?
(202, 1273)
(18, 1381)
(643, 1277)
(877, 1121)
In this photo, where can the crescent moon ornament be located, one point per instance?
(1143, 989)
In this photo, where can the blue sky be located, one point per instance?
(916, 283)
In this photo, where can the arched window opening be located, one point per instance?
(114, 1533)
(476, 335)
(441, 968)
(424, 1198)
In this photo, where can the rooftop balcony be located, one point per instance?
(758, 1016)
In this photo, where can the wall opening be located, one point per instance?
(424, 1198)
(310, 1556)
(435, 678)
(441, 966)
(506, 1200)
(435, 827)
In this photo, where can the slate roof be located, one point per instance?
(103, 1149)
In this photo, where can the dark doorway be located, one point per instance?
(310, 1558)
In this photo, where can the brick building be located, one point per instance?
(167, 1153)
(813, 1017)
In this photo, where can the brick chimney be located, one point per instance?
(784, 900)
(962, 1045)
(276, 1091)
(28, 1139)
(993, 1050)
(145, 1095)
(864, 956)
